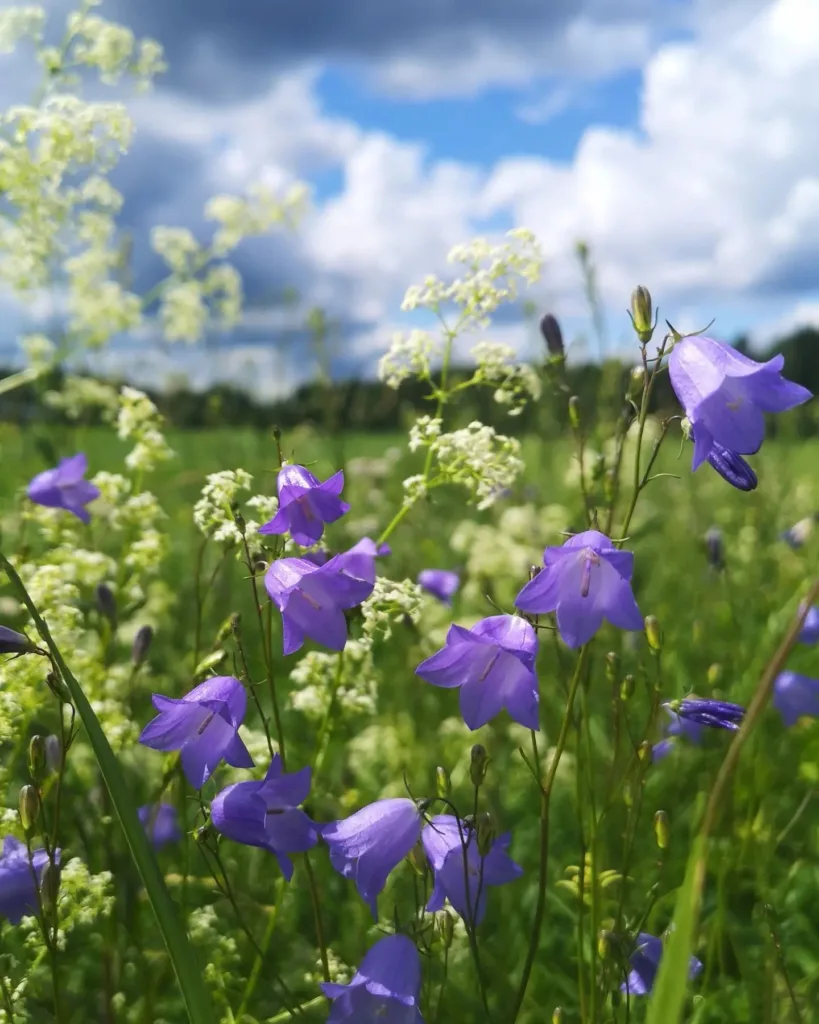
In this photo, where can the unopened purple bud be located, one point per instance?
(53, 753)
(142, 644)
(106, 602)
(552, 335)
(714, 548)
(12, 642)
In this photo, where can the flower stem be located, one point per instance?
(545, 799)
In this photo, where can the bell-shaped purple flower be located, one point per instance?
(441, 583)
(369, 844)
(161, 824)
(725, 394)
(203, 725)
(732, 467)
(676, 727)
(18, 896)
(493, 663)
(267, 814)
(795, 696)
(645, 962)
(718, 714)
(12, 642)
(809, 634)
(312, 598)
(799, 534)
(585, 581)
(305, 505)
(65, 487)
(384, 989)
(444, 843)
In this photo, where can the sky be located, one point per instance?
(677, 138)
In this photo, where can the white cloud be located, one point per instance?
(545, 108)
(803, 314)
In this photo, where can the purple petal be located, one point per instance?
(510, 631)
(795, 696)
(455, 664)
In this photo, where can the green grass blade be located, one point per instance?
(671, 985)
(17, 380)
(183, 957)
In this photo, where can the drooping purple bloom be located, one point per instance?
(161, 824)
(645, 962)
(384, 989)
(715, 548)
(369, 844)
(312, 598)
(718, 714)
(305, 504)
(65, 487)
(585, 581)
(493, 663)
(725, 394)
(732, 467)
(12, 642)
(444, 844)
(267, 814)
(18, 896)
(440, 583)
(809, 634)
(676, 727)
(203, 725)
(796, 696)
(797, 535)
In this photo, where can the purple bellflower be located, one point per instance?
(732, 467)
(161, 824)
(18, 896)
(312, 598)
(809, 634)
(718, 714)
(645, 962)
(305, 505)
(266, 814)
(65, 487)
(675, 728)
(585, 581)
(440, 583)
(203, 725)
(369, 844)
(444, 848)
(796, 696)
(799, 534)
(725, 394)
(493, 663)
(384, 989)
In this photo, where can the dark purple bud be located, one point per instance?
(552, 335)
(14, 643)
(53, 753)
(106, 602)
(714, 548)
(142, 644)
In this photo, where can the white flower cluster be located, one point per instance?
(112, 49)
(253, 214)
(515, 383)
(213, 514)
(410, 355)
(177, 247)
(18, 22)
(139, 420)
(340, 972)
(490, 277)
(391, 602)
(80, 394)
(424, 432)
(219, 950)
(316, 678)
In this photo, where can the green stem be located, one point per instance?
(545, 799)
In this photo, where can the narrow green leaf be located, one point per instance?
(17, 380)
(183, 957)
(671, 985)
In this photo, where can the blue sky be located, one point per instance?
(676, 137)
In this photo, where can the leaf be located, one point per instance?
(671, 986)
(183, 957)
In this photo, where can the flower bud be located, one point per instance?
(661, 833)
(447, 927)
(612, 666)
(574, 412)
(714, 674)
(627, 687)
(644, 752)
(636, 382)
(487, 833)
(36, 757)
(642, 314)
(557, 1015)
(443, 783)
(53, 753)
(106, 602)
(29, 805)
(628, 794)
(238, 518)
(12, 642)
(609, 485)
(714, 548)
(653, 634)
(478, 764)
(209, 662)
(50, 887)
(201, 834)
(604, 940)
(57, 687)
(552, 335)
(142, 644)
